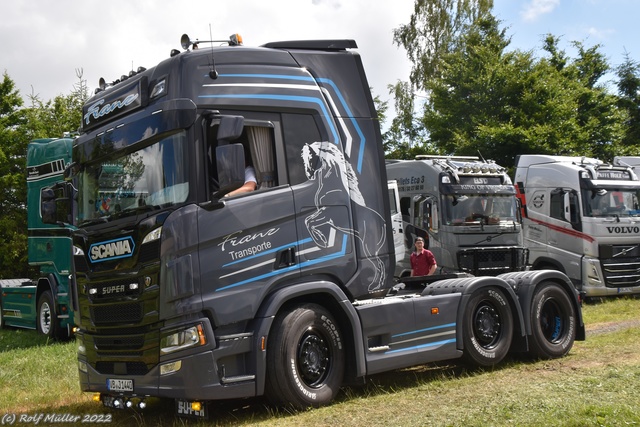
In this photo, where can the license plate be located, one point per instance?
(119, 385)
(185, 409)
(625, 290)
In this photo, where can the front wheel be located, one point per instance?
(553, 322)
(487, 327)
(305, 358)
(46, 320)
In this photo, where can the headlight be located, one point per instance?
(154, 235)
(185, 338)
(593, 273)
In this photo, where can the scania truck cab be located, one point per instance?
(465, 209)
(187, 293)
(582, 217)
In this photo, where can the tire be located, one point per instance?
(305, 358)
(553, 322)
(487, 327)
(46, 316)
(1, 319)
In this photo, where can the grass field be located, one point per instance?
(597, 384)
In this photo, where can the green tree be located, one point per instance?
(434, 28)
(503, 103)
(18, 126)
(629, 100)
(13, 186)
(62, 114)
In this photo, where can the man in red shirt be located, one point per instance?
(423, 263)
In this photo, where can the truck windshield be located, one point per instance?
(471, 208)
(608, 202)
(151, 178)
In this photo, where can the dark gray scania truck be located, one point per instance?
(182, 292)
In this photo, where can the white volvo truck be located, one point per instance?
(581, 216)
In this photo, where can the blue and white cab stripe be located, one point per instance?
(341, 105)
(338, 254)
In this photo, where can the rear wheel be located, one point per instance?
(553, 322)
(305, 358)
(487, 327)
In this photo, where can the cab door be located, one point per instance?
(248, 242)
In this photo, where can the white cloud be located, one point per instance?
(536, 8)
(45, 42)
(599, 33)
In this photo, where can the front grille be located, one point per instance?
(149, 252)
(491, 261)
(107, 343)
(116, 313)
(122, 368)
(620, 265)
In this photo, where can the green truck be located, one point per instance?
(43, 303)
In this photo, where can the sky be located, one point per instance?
(43, 44)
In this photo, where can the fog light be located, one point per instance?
(171, 367)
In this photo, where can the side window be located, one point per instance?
(426, 215)
(405, 204)
(258, 141)
(556, 208)
(417, 212)
(574, 210)
(298, 129)
(392, 201)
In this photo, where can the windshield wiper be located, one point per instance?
(137, 210)
(95, 221)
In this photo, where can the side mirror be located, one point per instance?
(55, 204)
(230, 128)
(230, 165)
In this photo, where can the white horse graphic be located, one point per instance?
(325, 163)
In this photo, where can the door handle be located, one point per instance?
(285, 258)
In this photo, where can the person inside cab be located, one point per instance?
(250, 180)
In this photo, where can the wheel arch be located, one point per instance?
(545, 263)
(48, 283)
(525, 284)
(324, 293)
